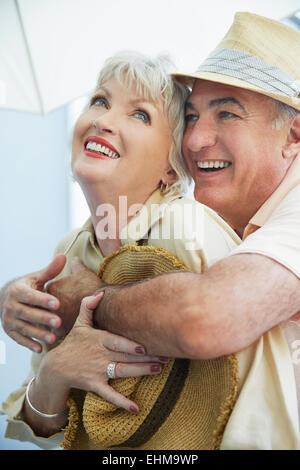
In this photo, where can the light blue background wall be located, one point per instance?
(34, 208)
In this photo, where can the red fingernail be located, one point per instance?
(139, 350)
(155, 368)
(164, 359)
(133, 409)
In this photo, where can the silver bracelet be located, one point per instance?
(37, 412)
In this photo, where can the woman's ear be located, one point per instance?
(292, 146)
(169, 176)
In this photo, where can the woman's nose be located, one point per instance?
(200, 136)
(106, 123)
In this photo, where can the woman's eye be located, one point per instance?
(99, 101)
(142, 115)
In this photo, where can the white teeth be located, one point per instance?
(213, 164)
(101, 149)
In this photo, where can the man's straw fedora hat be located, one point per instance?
(257, 54)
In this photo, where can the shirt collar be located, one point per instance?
(291, 179)
(87, 227)
(139, 226)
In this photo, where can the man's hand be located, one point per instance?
(70, 290)
(26, 310)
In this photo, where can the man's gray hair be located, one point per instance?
(152, 79)
(284, 112)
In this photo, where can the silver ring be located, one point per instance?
(110, 371)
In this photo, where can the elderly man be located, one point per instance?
(241, 144)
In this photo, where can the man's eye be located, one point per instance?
(227, 115)
(142, 115)
(190, 117)
(99, 101)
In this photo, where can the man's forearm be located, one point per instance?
(151, 312)
(201, 316)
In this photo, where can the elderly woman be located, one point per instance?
(126, 156)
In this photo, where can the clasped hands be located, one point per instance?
(34, 308)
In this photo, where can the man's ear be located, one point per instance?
(292, 145)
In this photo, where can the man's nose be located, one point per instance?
(106, 123)
(201, 135)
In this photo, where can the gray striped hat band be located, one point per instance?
(252, 69)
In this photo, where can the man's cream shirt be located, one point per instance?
(274, 231)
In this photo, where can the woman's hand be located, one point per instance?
(81, 360)
(26, 310)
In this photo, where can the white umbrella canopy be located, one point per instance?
(51, 50)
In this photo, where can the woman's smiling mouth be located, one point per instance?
(99, 148)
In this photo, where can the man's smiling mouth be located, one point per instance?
(212, 165)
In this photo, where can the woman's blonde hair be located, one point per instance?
(152, 80)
